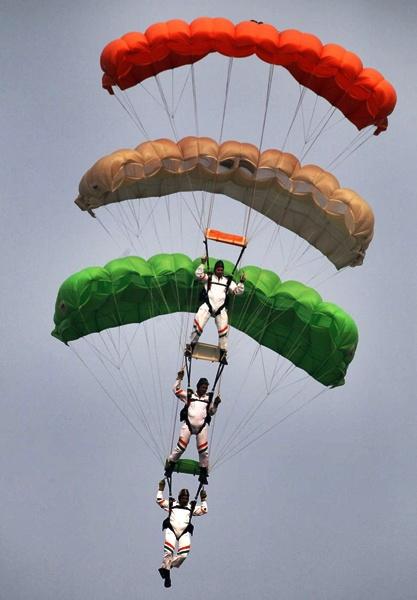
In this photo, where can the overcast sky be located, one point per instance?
(324, 506)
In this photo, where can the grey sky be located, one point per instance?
(324, 506)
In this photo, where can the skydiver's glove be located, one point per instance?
(217, 401)
(180, 374)
(204, 259)
(242, 278)
(203, 495)
(161, 485)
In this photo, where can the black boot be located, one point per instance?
(169, 467)
(189, 349)
(223, 357)
(203, 476)
(168, 580)
(166, 576)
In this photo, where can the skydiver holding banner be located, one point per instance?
(178, 528)
(216, 289)
(196, 416)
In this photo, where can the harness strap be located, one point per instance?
(184, 411)
(193, 503)
(215, 313)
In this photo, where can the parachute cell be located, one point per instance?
(287, 317)
(361, 94)
(304, 199)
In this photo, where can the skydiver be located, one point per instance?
(216, 288)
(196, 416)
(177, 528)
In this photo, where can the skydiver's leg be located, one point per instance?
(200, 319)
(222, 323)
(184, 547)
(169, 549)
(182, 443)
(202, 447)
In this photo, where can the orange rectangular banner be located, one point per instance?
(226, 238)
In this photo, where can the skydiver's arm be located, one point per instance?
(178, 391)
(201, 509)
(236, 289)
(160, 500)
(214, 405)
(200, 274)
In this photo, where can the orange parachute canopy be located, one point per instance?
(304, 199)
(361, 94)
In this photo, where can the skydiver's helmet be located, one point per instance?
(183, 497)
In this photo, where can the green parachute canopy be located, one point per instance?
(287, 317)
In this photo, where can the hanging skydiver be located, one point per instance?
(178, 527)
(214, 296)
(196, 416)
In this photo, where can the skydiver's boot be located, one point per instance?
(169, 467)
(189, 348)
(203, 475)
(223, 357)
(163, 572)
(166, 576)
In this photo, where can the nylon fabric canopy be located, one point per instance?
(304, 199)
(287, 317)
(362, 94)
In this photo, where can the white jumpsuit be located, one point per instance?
(197, 413)
(179, 521)
(217, 297)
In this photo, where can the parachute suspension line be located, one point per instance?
(304, 246)
(130, 388)
(226, 96)
(157, 380)
(275, 424)
(131, 111)
(196, 220)
(121, 220)
(143, 86)
(143, 415)
(193, 82)
(166, 107)
(182, 91)
(107, 359)
(135, 214)
(158, 398)
(237, 395)
(172, 94)
(310, 144)
(160, 407)
(367, 134)
(107, 230)
(253, 191)
(333, 274)
(213, 422)
(174, 422)
(116, 347)
(234, 430)
(296, 111)
(114, 402)
(310, 123)
(314, 260)
(246, 419)
(328, 126)
(291, 253)
(251, 414)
